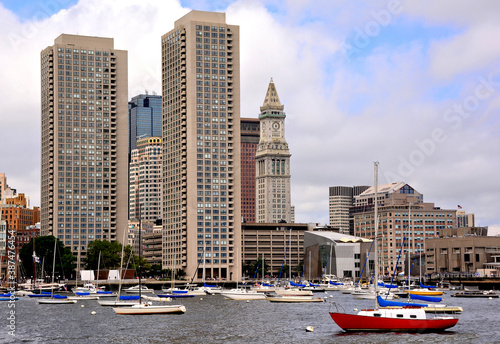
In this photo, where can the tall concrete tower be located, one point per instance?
(84, 141)
(272, 162)
(201, 146)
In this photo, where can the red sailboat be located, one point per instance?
(393, 319)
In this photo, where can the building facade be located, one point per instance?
(278, 244)
(341, 199)
(84, 98)
(337, 255)
(467, 250)
(272, 162)
(145, 180)
(464, 219)
(3, 185)
(405, 223)
(250, 135)
(201, 146)
(144, 116)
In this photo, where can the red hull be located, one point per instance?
(361, 323)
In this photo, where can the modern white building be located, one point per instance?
(334, 253)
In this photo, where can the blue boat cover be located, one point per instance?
(82, 293)
(336, 283)
(426, 286)
(175, 295)
(45, 292)
(5, 295)
(389, 286)
(297, 284)
(267, 285)
(314, 285)
(179, 291)
(129, 297)
(387, 303)
(425, 298)
(57, 296)
(104, 292)
(209, 285)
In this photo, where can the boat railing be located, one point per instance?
(338, 307)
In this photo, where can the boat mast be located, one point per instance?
(98, 266)
(409, 245)
(140, 246)
(53, 267)
(262, 269)
(290, 256)
(376, 233)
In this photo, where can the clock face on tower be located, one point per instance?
(276, 125)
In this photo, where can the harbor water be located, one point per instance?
(213, 319)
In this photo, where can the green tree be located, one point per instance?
(44, 248)
(249, 268)
(110, 251)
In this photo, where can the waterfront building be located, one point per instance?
(464, 220)
(467, 250)
(84, 176)
(133, 233)
(273, 162)
(250, 136)
(335, 253)
(5, 190)
(145, 180)
(341, 199)
(405, 222)
(3, 185)
(280, 243)
(201, 146)
(144, 116)
(152, 243)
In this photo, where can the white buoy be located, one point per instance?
(248, 301)
(490, 298)
(83, 306)
(331, 295)
(309, 329)
(355, 309)
(93, 312)
(201, 299)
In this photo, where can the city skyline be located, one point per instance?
(412, 85)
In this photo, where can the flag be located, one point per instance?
(459, 206)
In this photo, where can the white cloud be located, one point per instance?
(384, 105)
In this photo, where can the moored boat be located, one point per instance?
(294, 299)
(392, 319)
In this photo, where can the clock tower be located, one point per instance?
(272, 158)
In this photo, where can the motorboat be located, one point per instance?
(294, 299)
(135, 289)
(243, 294)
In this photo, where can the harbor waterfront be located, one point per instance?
(212, 319)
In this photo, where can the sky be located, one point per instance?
(414, 85)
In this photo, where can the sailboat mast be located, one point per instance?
(98, 266)
(376, 233)
(53, 266)
(140, 246)
(409, 245)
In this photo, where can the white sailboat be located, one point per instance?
(239, 293)
(121, 301)
(54, 298)
(147, 307)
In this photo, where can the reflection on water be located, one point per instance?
(212, 319)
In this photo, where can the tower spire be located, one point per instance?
(272, 100)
